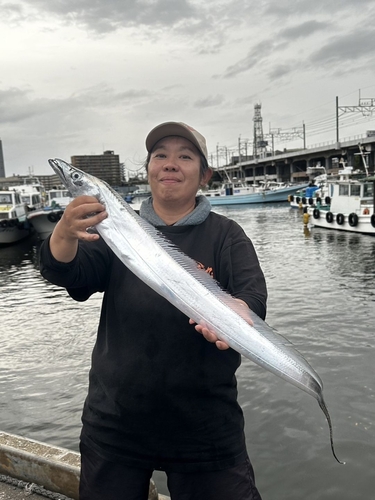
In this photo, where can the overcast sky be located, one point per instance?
(83, 76)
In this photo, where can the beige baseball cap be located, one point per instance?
(176, 128)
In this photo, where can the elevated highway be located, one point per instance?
(291, 166)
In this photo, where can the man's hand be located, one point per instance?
(211, 336)
(82, 213)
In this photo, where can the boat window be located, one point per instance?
(58, 194)
(368, 190)
(355, 190)
(343, 190)
(25, 199)
(5, 199)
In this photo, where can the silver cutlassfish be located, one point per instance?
(175, 276)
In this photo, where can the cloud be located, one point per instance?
(354, 46)
(314, 43)
(287, 9)
(86, 75)
(210, 101)
(254, 56)
(281, 70)
(19, 105)
(103, 17)
(303, 30)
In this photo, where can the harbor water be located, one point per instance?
(321, 297)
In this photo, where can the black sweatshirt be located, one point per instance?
(160, 396)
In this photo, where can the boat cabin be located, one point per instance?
(60, 197)
(11, 205)
(350, 194)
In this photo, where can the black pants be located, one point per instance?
(103, 480)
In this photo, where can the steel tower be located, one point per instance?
(259, 144)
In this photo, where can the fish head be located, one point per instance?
(75, 180)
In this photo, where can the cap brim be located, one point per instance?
(167, 129)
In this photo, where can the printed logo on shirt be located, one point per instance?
(208, 270)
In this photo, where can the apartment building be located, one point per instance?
(106, 166)
(2, 166)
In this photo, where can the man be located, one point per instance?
(160, 396)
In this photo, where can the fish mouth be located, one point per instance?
(57, 168)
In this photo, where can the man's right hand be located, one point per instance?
(83, 212)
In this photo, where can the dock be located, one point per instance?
(31, 470)
(11, 492)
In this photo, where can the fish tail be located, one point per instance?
(326, 413)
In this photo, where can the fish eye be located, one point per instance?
(76, 176)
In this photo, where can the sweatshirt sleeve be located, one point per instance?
(240, 266)
(86, 274)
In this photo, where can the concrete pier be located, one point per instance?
(31, 467)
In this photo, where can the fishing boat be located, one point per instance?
(45, 219)
(13, 218)
(316, 192)
(32, 193)
(235, 192)
(349, 205)
(143, 190)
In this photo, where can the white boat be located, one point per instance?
(32, 193)
(316, 192)
(45, 219)
(234, 192)
(14, 225)
(143, 190)
(351, 203)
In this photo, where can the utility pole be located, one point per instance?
(304, 135)
(287, 135)
(366, 106)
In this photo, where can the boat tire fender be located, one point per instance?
(316, 213)
(53, 217)
(329, 217)
(373, 220)
(311, 201)
(4, 223)
(340, 219)
(327, 200)
(353, 219)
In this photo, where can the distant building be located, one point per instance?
(51, 181)
(47, 181)
(2, 166)
(106, 166)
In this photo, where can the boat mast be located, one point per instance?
(363, 155)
